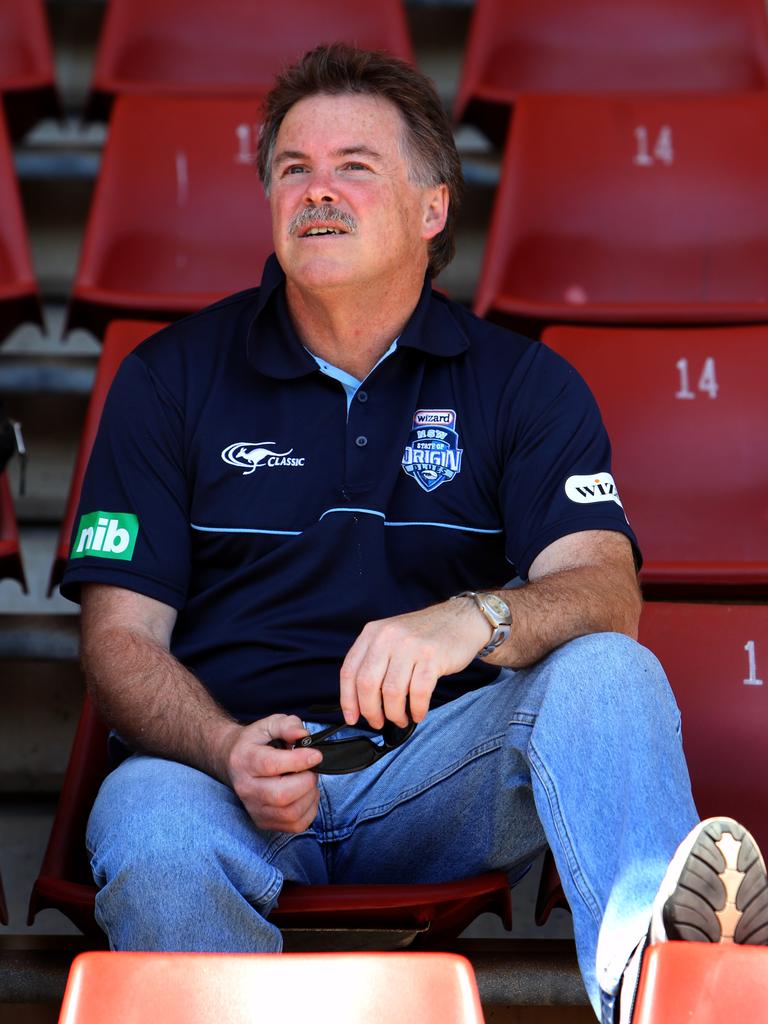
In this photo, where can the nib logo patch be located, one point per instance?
(106, 535)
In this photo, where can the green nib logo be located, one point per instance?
(106, 535)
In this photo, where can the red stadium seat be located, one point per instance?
(631, 210)
(121, 338)
(331, 988)
(178, 218)
(716, 658)
(192, 46)
(19, 298)
(26, 65)
(556, 46)
(421, 914)
(10, 551)
(687, 413)
(683, 982)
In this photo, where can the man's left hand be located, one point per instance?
(404, 656)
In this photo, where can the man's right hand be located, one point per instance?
(275, 786)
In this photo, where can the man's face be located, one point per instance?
(344, 211)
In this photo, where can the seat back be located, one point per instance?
(687, 412)
(178, 217)
(631, 209)
(716, 658)
(702, 981)
(553, 46)
(121, 337)
(205, 988)
(27, 77)
(19, 298)
(390, 914)
(10, 550)
(191, 46)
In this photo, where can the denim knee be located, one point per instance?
(155, 822)
(612, 673)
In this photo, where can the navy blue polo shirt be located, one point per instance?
(230, 481)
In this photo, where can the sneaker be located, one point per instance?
(715, 888)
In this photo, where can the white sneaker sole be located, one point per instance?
(715, 888)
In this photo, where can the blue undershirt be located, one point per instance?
(348, 382)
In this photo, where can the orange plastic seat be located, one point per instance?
(11, 566)
(687, 413)
(178, 217)
(423, 914)
(682, 982)
(631, 210)
(26, 65)
(19, 298)
(554, 46)
(331, 988)
(122, 337)
(192, 46)
(716, 658)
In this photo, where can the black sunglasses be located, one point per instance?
(340, 757)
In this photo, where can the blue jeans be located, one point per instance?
(581, 752)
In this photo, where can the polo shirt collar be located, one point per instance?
(274, 348)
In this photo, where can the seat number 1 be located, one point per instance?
(751, 679)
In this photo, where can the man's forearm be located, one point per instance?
(154, 702)
(548, 612)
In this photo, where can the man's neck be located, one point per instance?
(351, 329)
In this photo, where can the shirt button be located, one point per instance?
(362, 396)
(361, 441)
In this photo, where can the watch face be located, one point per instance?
(498, 607)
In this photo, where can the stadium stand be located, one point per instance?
(27, 80)
(553, 46)
(121, 337)
(19, 298)
(685, 410)
(702, 982)
(631, 210)
(11, 566)
(199, 988)
(193, 46)
(594, 242)
(178, 218)
(399, 914)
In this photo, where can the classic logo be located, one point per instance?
(432, 454)
(252, 455)
(107, 535)
(587, 489)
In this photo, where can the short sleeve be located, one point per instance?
(132, 525)
(557, 477)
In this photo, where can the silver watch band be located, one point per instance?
(498, 618)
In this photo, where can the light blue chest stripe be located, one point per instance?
(238, 529)
(364, 511)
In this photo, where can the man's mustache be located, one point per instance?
(311, 216)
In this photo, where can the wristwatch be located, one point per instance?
(498, 615)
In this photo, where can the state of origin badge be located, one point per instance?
(432, 455)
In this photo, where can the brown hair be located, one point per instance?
(430, 149)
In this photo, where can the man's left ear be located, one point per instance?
(435, 210)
